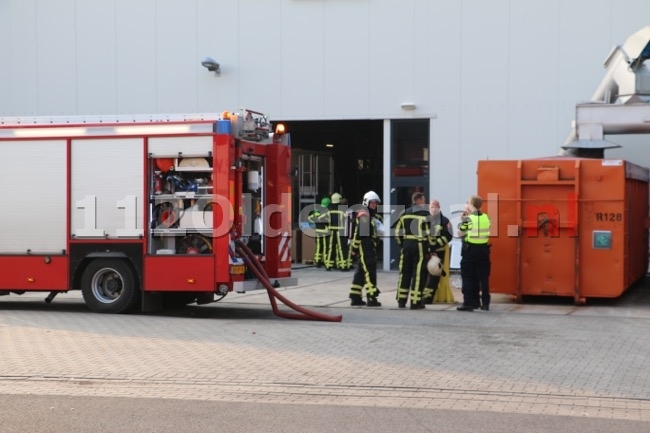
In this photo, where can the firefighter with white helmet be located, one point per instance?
(370, 196)
(364, 245)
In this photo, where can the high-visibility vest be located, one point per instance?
(479, 232)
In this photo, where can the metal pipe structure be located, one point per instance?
(620, 104)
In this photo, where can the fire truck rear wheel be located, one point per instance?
(109, 286)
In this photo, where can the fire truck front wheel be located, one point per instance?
(109, 286)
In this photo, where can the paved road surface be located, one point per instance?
(532, 367)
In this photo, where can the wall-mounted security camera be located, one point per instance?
(211, 65)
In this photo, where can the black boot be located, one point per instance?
(356, 301)
(373, 302)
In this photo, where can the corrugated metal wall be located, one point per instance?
(501, 78)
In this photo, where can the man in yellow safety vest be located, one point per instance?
(475, 262)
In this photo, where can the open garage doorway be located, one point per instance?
(344, 156)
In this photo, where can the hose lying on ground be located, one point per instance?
(260, 273)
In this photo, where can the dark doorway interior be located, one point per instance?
(409, 168)
(357, 152)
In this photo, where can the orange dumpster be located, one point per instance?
(565, 226)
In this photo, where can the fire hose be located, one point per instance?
(260, 273)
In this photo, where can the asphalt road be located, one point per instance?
(46, 414)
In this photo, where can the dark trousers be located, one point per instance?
(365, 275)
(475, 273)
(413, 271)
(337, 255)
(322, 247)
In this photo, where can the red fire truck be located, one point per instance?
(144, 211)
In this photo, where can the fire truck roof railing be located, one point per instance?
(107, 119)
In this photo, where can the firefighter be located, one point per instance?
(319, 218)
(414, 237)
(475, 262)
(363, 245)
(441, 234)
(336, 257)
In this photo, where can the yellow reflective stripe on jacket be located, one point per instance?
(479, 229)
(415, 238)
(422, 228)
(339, 216)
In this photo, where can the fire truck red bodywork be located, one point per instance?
(87, 216)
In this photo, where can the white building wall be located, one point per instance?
(499, 78)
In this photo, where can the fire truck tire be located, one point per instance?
(109, 286)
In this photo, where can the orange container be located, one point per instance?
(566, 226)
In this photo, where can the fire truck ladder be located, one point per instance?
(259, 272)
(308, 178)
(313, 169)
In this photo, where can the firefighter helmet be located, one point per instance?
(434, 266)
(325, 202)
(336, 198)
(370, 196)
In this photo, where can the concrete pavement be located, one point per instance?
(320, 288)
(547, 358)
